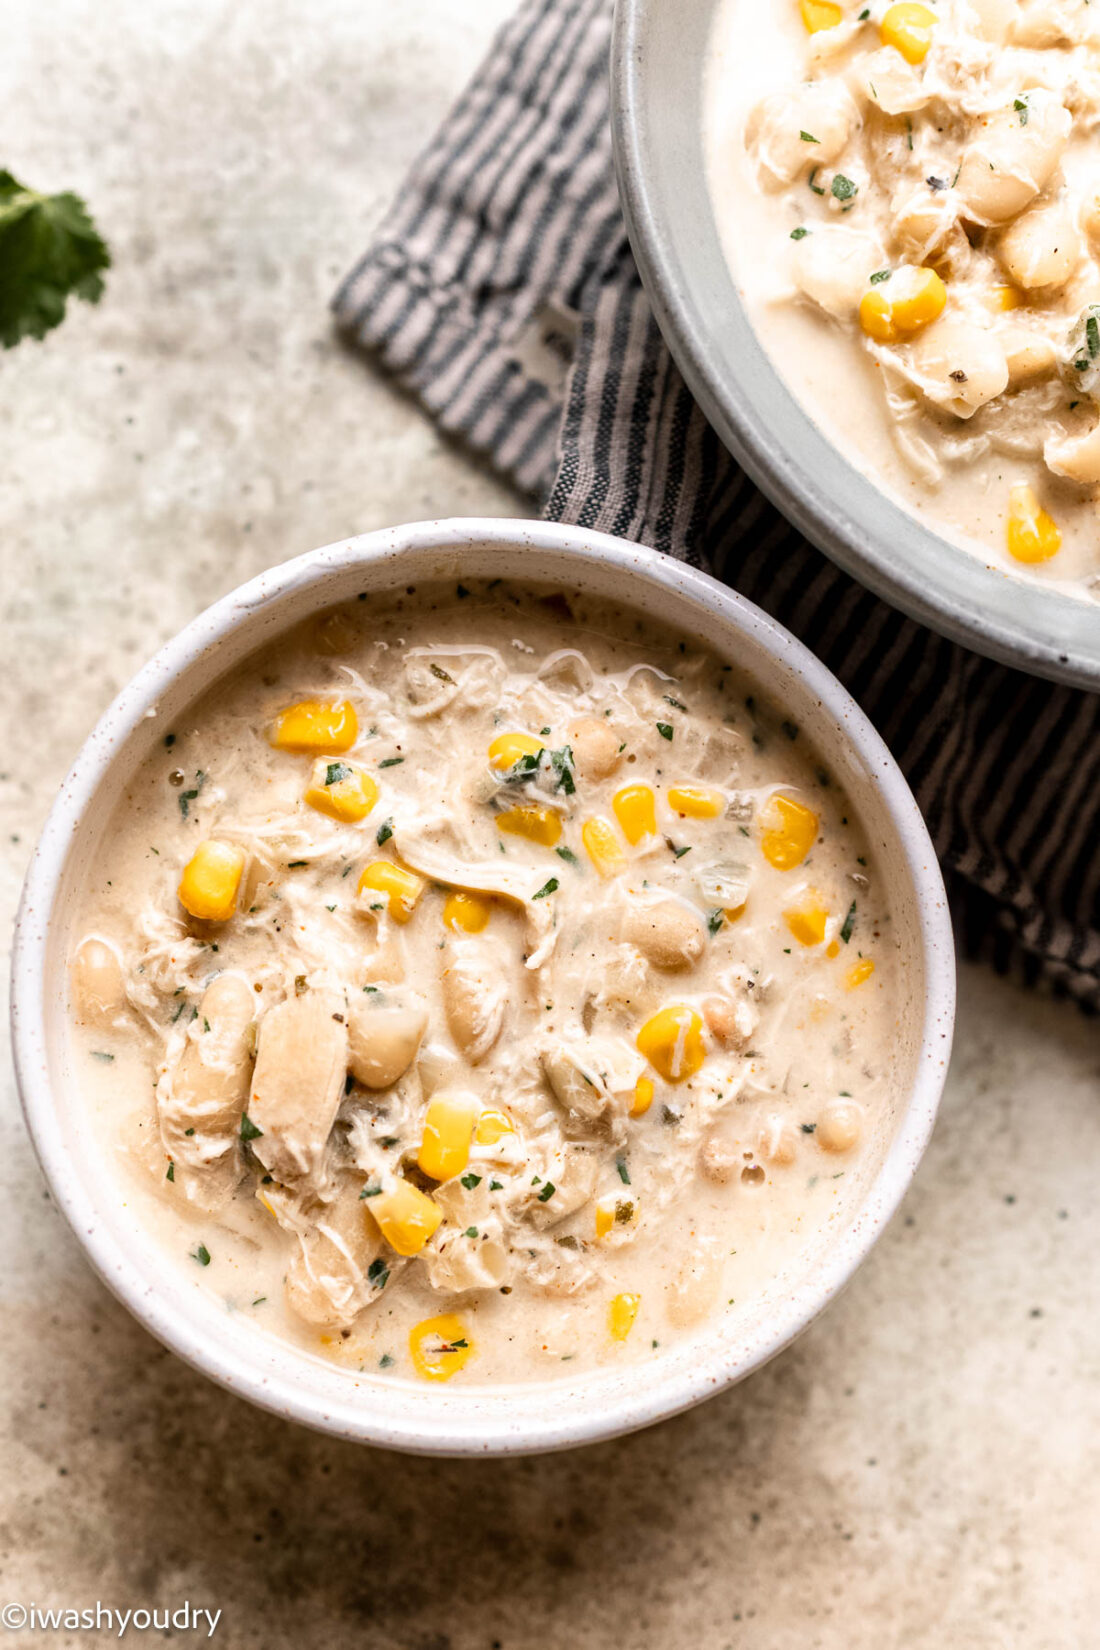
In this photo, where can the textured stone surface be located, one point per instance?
(922, 1468)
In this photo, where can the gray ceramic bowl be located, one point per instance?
(404, 1414)
(657, 58)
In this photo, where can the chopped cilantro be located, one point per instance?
(471, 1232)
(568, 855)
(799, 234)
(471, 1180)
(50, 251)
(378, 1273)
(849, 923)
(807, 138)
(249, 1131)
(547, 1192)
(624, 1172)
(843, 188)
(385, 831)
(201, 1254)
(550, 886)
(391, 761)
(374, 1190)
(171, 1175)
(715, 919)
(385, 1361)
(664, 729)
(335, 772)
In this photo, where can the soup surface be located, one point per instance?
(908, 199)
(484, 980)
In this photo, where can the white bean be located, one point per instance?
(96, 972)
(1043, 247)
(668, 934)
(383, 1037)
(839, 1126)
(298, 1083)
(1075, 457)
(823, 111)
(959, 366)
(596, 747)
(475, 995)
(831, 265)
(1009, 161)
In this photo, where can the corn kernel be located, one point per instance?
(908, 28)
(696, 801)
(342, 790)
(405, 1216)
(1031, 534)
(1005, 298)
(602, 846)
(508, 748)
(807, 920)
(537, 824)
(401, 887)
(636, 810)
(605, 1216)
(833, 948)
(860, 971)
(820, 14)
(448, 1130)
(210, 881)
(621, 1315)
(672, 1042)
(470, 912)
(790, 831)
(902, 306)
(313, 729)
(440, 1347)
(492, 1126)
(643, 1096)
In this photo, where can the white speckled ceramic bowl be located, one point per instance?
(658, 54)
(463, 1419)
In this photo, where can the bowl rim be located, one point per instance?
(170, 666)
(1029, 625)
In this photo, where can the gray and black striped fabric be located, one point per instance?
(501, 291)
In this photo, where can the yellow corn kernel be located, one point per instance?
(643, 1096)
(470, 912)
(492, 1126)
(672, 1042)
(210, 880)
(636, 810)
(820, 14)
(905, 304)
(602, 846)
(1031, 534)
(605, 1216)
(507, 749)
(860, 971)
(790, 831)
(908, 28)
(696, 801)
(621, 1315)
(342, 790)
(440, 1347)
(537, 824)
(405, 1216)
(1004, 298)
(314, 729)
(401, 887)
(807, 920)
(448, 1130)
(833, 948)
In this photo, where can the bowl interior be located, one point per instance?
(658, 59)
(400, 1413)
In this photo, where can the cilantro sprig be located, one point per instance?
(50, 251)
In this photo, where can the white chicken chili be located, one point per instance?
(916, 189)
(484, 980)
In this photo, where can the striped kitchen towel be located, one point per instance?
(501, 291)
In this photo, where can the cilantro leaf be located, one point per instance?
(49, 251)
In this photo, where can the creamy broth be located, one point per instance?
(577, 1029)
(934, 322)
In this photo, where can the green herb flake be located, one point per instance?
(678, 853)
(391, 762)
(336, 772)
(101, 1054)
(171, 1175)
(470, 1232)
(378, 1273)
(849, 923)
(843, 188)
(385, 831)
(808, 1128)
(386, 1362)
(799, 234)
(807, 138)
(249, 1131)
(665, 730)
(201, 1254)
(187, 797)
(568, 855)
(715, 919)
(441, 675)
(50, 251)
(496, 1185)
(815, 187)
(550, 886)
(1022, 109)
(373, 1190)
(547, 1192)
(880, 275)
(471, 1180)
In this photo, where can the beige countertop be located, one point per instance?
(923, 1468)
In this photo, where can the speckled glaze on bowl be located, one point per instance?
(658, 52)
(402, 1414)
